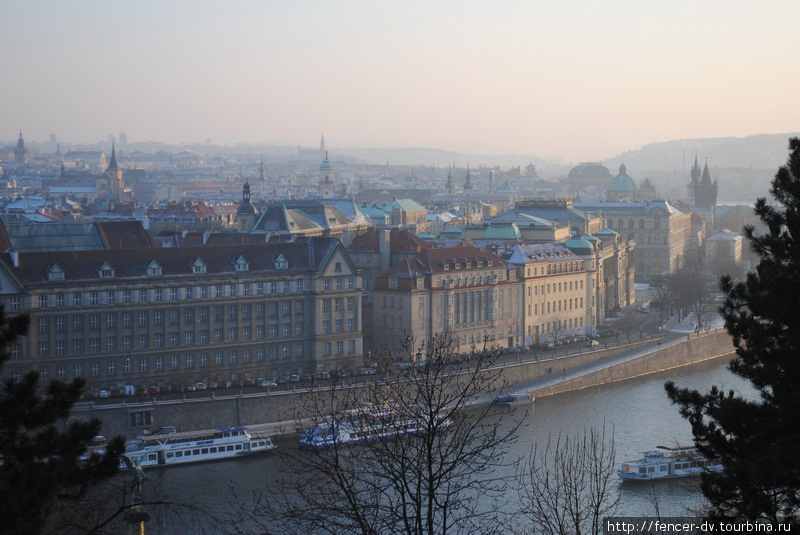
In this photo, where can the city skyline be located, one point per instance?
(575, 82)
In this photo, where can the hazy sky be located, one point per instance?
(574, 79)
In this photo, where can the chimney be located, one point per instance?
(347, 238)
(384, 242)
(206, 235)
(184, 233)
(14, 257)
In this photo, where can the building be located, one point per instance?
(724, 249)
(20, 153)
(471, 294)
(376, 250)
(622, 187)
(661, 232)
(702, 192)
(176, 316)
(326, 178)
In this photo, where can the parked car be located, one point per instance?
(294, 379)
(305, 378)
(367, 371)
(103, 394)
(213, 384)
(248, 382)
(594, 343)
(267, 383)
(323, 376)
(153, 390)
(189, 388)
(282, 380)
(200, 386)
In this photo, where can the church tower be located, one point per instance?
(695, 180)
(263, 183)
(467, 181)
(20, 153)
(114, 174)
(451, 190)
(326, 184)
(705, 193)
(246, 213)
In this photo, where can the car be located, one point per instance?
(344, 373)
(200, 386)
(153, 389)
(367, 371)
(103, 394)
(189, 388)
(323, 376)
(294, 379)
(594, 343)
(213, 384)
(266, 383)
(305, 378)
(248, 382)
(282, 380)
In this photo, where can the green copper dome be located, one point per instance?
(622, 183)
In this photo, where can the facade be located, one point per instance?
(176, 316)
(374, 251)
(662, 233)
(724, 248)
(471, 294)
(702, 192)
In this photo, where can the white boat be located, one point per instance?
(368, 423)
(670, 463)
(165, 449)
(515, 398)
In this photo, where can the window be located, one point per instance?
(127, 342)
(143, 341)
(111, 367)
(219, 291)
(61, 347)
(143, 319)
(246, 333)
(94, 321)
(111, 343)
(218, 358)
(273, 352)
(287, 330)
(159, 294)
(337, 267)
(15, 303)
(351, 324)
(286, 307)
(300, 286)
(190, 360)
(60, 300)
(273, 330)
(173, 339)
(234, 290)
(338, 326)
(233, 357)
(326, 348)
(203, 315)
(190, 292)
(351, 303)
(144, 364)
(286, 287)
(188, 338)
(204, 336)
(245, 311)
(261, 354)
(337, 304)
(143, 296)
(326, 305)
(173, 294)
(217, 335)
(260, 288)
(232, 310)
(111, 297)
(326, 326)
(126, 297)
(232, 334)
(188, 316)
(273, 309)
(203, 360)
(43, 325)
(351, 283)
(298, 328)
(327, 285)
(298, 307)
(351, 346)
(393, 283)
(42, 301)
(111, 320)
(272, 287)
(247, 355)
(204, 292)
(94, 345)
(299, 350)
(340, 347)
(61, 371)
(340, 284)
(174, 362)
(77, 346)
(94, 369)
(140, 419)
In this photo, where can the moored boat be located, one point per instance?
(513, 399)
(669, 463)
(368, 423)
(171, 448)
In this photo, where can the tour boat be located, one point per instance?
(165, 449)
(513, 399)
(368, 423)
(672, 462)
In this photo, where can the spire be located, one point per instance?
(450, 189)
(261, 174)
(112, 164)
(706, 180)
(622, 169)
(467, 183)
(322, 145)
(695, 170)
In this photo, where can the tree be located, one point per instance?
(39, 464)
(756, 440)
(568, 487)
(444, 479)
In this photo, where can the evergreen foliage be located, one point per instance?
(757, 440)
(42, 453)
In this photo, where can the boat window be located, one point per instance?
(213, 450)
(204, 451)
(238, 447)
(178, 454)
(196, 452)
(247, 446)
(651, 469)
(170, 455)
(642, 470)
(152, 457)
(663, 468)
(230, 448)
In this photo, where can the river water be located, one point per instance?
(637, 410)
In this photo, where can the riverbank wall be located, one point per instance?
(548, 375)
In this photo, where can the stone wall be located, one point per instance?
(229, 410)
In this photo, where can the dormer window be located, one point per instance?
(106, 271)
(198, 266)
(281, 262)
(241, 264)
(153, 268)
(489, 263)
(468, 265)
(55, 273)
(446, 267)
(479, 264)
(420, 283)
(393, 283)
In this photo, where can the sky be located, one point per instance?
(572, 80)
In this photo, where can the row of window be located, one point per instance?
(338, 304)
(175, 339)
(561, 267)
(327, 347)
(553, 288)
(558, 306)
(171, 316)
(147, 295)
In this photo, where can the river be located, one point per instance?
(637, 410)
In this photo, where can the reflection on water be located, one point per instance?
(637, 410)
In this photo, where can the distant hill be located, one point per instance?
(762, 151)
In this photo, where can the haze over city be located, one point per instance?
(573, 81)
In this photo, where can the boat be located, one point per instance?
(670, 463)
(515, 398)
(172, 447)
(368, 423)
